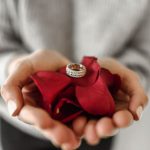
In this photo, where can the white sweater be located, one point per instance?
(114, 28)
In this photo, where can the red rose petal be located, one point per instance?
(65, 97)
(92, 68)
(96, 99)
(50, 84)
(113, 81)
(107, 76)
(116, 84)
(68, 92)
(66, 110)
(63, 70)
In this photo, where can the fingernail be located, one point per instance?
(139, 112)
(116, 131)
(66, 147)
(11, 105)
(95, 142)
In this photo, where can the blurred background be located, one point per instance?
(101, 28)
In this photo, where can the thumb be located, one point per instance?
(13, 98)
(137, 103)
(138, 98)
(11, 90)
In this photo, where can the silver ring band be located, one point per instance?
(75, 70)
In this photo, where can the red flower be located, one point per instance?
(65, 98)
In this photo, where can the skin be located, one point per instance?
(17, 88)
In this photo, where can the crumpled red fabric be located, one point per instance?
(65, 98)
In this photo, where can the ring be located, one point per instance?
(75, 70)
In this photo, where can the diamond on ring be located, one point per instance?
(75, 70)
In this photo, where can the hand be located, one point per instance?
(15, 93)
(130, 102)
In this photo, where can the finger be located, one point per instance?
(58, 133)
(121, 101)
(138, 97)
(90, 133)
(105, 128)
(123, 118)
(56, 62)
(137, 104)
(78, 125)
(12, 88)
(121, 96)
(119, 105)
(13, 98)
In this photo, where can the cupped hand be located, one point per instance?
(15, 93)
(130, 101)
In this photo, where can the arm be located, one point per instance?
(10, 44)
(136, 55)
